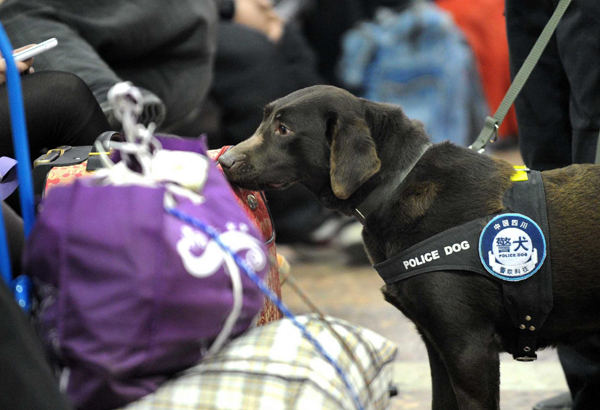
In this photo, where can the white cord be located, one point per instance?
(232, 318)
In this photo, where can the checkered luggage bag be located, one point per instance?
(57, 169)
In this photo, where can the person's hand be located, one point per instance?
(22, 66)
(259, 15)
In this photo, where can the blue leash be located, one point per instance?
(20, 140)
(21, 147)
(269, 293)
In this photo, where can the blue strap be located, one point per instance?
(20, 140)
(5, 266)
(21, 147)
(210, 231)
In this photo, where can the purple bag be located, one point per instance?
(130, 294)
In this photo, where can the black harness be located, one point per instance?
(527, 294)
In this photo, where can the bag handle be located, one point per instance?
(490, 129)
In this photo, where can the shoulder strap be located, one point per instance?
(490, 129)
(529, 302)
(454, 249)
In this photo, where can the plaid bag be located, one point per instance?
(275, 367)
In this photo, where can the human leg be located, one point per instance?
(578, 37)
(558, 116)
(542, 107)
(26, 379)
(581, 364)
(15, 236)
(59, 110)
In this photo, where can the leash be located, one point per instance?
(489, 132)
(287, 278)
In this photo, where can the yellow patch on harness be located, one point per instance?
(521, 173)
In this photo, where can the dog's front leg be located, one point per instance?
(453, 314)
(473, 365)
(443, 394)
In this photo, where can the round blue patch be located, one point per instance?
(512, 247)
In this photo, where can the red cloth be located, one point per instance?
(484, 26)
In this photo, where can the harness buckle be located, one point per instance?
(494, 136)
(526, 358)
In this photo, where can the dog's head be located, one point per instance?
(317, 136)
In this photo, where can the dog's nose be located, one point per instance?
(227, 160)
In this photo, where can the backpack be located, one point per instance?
(418, 59)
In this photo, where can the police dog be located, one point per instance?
(342, 148)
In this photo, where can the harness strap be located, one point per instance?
(453, 249)
(527, 301)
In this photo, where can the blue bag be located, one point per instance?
(418, 59)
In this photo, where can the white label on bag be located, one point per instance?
(203, 257)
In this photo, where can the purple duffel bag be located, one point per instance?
(130, 294)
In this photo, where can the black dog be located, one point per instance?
(342, 148)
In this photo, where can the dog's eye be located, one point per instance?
(283, 130)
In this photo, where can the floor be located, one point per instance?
(352, 293)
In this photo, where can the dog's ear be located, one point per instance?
(353, 154)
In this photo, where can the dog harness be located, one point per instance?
(510, 248)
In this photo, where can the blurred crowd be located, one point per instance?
(211, 66)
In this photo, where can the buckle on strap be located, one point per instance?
(527, 339)
(526, 358)
(52, 155)
(489, 133)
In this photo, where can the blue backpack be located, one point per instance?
(420, 60)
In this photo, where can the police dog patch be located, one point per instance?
(512, 247)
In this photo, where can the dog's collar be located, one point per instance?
(383, 191)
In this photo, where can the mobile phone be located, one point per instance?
(35, 50)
